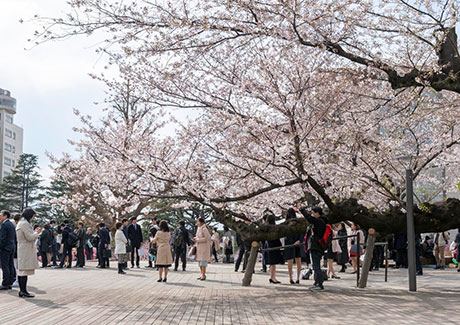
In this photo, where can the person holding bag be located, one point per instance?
(355, 229)
(333, 252)
(27, 252)
(164, 257)
(203, 247)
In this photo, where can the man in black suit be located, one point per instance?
(104, 242)
(80, 245)
(54, 252)
(7, 248)
(135, 238)
(67, 251)
(180, 246)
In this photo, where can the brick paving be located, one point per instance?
(94, 296)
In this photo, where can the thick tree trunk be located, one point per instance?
(430, 218)
(247, 279)
(367, 258)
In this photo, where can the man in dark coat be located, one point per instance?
(80, 245)
(67, 251)
(89, 244)
(45, 245)
(135, 239)
(181, 249)
(241, 251)
(104, 242)
(315, 249)
(7, 248)
(54, 250)
(400, 244)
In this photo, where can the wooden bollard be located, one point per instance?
(247, 279)
(367, 258)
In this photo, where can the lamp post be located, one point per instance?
(410, 230)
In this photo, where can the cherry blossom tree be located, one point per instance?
(294, 101)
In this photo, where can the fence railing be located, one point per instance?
(357, 235)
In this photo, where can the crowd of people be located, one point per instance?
(23, 245)
(343, 250)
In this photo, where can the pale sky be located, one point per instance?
(47, 81)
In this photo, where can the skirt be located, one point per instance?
(202, 263)
(122, 258)
(26, 272)
(354, 250)
(162, 265)
(330, 255)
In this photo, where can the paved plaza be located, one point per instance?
(95, 296)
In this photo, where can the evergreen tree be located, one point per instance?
(49, 209)
(22, 188)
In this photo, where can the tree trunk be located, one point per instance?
(251, 264)
(367, 258)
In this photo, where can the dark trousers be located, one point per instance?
(181, 252)
(247, 252)
(89, 253)
(377, 259)
(264, 263)
(316, 261)
(58, 255)
(54, 253)
(67, 251)
(9, 274)
(214, 252)
(132, 256)
(401, 257)
(44, 259)
(103, 261)
(241, 251)
(418, 262)
(98, 256)
(80, 256)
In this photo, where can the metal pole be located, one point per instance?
(359, 259)
(410, 229)
(386, 261)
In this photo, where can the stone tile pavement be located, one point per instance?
(94, 296)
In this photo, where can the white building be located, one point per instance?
(10, 134)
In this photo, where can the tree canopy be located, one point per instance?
(294, 102)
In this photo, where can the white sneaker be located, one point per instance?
(15, 284)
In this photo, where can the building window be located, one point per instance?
(14, 135)
(14, 149)
(7, 161)
(5, 174)
(8, 133)
(14, 163)
(9, 118)
(8, 147)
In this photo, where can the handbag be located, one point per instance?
(107, 253)
(192, 251)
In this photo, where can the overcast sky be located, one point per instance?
(47, 81)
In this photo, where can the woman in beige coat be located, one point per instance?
(164, 258)
(203, 247)
(27, 252)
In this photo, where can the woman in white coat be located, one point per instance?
(27, 252)
(120, 247)
(203, 247)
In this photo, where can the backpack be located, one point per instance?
(326, 240)
(178, 237)
(72, 240)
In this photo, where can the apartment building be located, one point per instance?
(11, 135)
